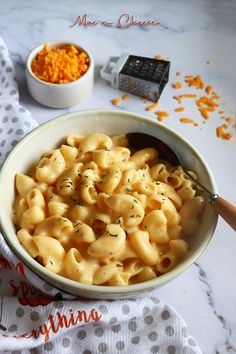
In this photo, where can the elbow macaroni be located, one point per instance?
(97, 214)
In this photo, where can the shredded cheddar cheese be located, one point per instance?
(206, 104)
(177, 85)
(116, 101)
(229, 120)
(196, 81)
(179, 109)
(125, 97)
(220, 133)
(204, 112)
(209, 90)
(186, 120)
(159, 57)
(151, 107)
(162, 114)
(215, 97)
(60, 65)
(187, 95)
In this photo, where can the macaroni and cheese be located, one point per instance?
(97, 213)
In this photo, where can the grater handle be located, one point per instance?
(106, 71)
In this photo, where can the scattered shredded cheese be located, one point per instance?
(229, 120)
(159, 57)
(60, 65)
(151, 107)
(116, 101)
(204, 112)
(162, 114)
(186, 120)
(179, 109)
(221, 134)
(209, 90)
(188, 95)
(196, 81)
(205, 104)
(125, 97)
(177, 98)
(177, 85)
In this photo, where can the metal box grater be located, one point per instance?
(141, 76)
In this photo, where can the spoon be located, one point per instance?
(222, 207)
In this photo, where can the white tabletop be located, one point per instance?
(190, 34)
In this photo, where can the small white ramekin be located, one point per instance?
(59, 95)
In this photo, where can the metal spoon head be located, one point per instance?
(142, 140)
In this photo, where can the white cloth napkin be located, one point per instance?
(38, 318)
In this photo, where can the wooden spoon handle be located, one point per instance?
(226, 210)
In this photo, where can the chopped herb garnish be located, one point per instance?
(118, 265)
(132, 207)
(130, 190)
(113, 235)
(135, 200)
(69, 185)
(77, 223)
(132, 216)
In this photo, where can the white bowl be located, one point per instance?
(110, 122)
(59, 95)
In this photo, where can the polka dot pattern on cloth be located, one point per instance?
(34, 316)
(15, 121)
(20, 312)
(65, 342)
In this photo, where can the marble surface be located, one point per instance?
(190, 33)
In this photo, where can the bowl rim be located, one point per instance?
(43, 273)
(56, 43)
